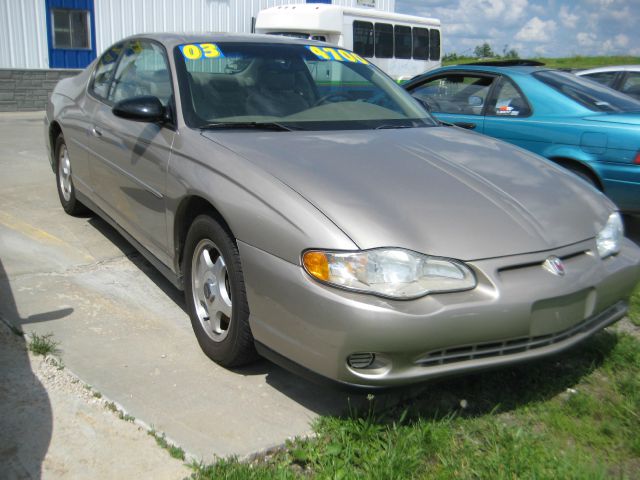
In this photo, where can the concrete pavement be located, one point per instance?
(122, 327)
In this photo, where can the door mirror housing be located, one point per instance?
(145, 108)
(422, 102)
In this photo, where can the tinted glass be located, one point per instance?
(509, 101)
(587, 93)
(421, 44)
(402, 41)
(461, 94)
(142, 71)
(434, 47)
(384, 40)
(631, 85)
(104, 71)
(363, 38)
(302, 87)
(605, 78)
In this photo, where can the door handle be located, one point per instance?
(467, 125)
(96, 132)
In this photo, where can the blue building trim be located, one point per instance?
(70, 58)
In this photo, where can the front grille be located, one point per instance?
(510, 347)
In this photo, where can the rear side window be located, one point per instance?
(384, 40)
(434, 47)
(605, 78)
(104, 72)
(402, 41)
(363, 38)
(509, 101)
(421, 43)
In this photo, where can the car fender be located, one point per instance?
(259, 209)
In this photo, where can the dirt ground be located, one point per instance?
(76, 435)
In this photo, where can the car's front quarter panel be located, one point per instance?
(259, 209)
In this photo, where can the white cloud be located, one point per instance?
(568, 19)
(537, 30)
(621, 40)
(586, 39)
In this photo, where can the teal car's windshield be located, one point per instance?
(587, 93)
(289, 87)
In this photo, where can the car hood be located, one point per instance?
(437, 190)
(624, 118)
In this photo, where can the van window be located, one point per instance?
(434, 48)
(420, 43)
(384, 40)
(402, 41)
(363, 38)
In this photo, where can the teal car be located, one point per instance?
(586, 127)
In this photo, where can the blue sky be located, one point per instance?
(553, 28)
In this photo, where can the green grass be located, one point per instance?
(574, 416)
(174, 451)
(634, 311)
(568, 62)
(42, 344)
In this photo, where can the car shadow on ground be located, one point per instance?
(26, 419)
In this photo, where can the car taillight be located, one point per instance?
(637, 159)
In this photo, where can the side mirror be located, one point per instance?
(146, 108)
(475, 101)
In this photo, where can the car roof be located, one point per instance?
(517, 69)
(170, 40)
(611, 68)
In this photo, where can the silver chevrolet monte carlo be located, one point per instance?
(315, 214)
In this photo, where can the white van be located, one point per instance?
(401, 45)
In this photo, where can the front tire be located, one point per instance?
(215, 294)
(64, 180)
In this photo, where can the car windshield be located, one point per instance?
(291, 87)
(592, 95)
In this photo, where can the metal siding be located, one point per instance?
(23, 34)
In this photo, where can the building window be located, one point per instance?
(70, 29)
(384, 40)
(363, 38)
(402, 41)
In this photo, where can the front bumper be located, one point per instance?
(517, 312)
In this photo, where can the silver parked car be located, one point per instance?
(625, 78)
(315, 214)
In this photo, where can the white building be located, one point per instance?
(40, 40)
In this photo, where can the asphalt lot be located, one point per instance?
(122, 327)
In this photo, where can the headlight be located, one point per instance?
(610, 237)
(389, 272)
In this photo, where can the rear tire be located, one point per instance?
(64, 180)
(584, 176)
(215, 294)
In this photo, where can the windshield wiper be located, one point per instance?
(385, 126)
(257, 125)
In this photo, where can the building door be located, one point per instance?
(70, 33)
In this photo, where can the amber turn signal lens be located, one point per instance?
(317, 265)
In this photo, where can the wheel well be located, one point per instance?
(54, 131)
(571, 164)
(188, 210)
